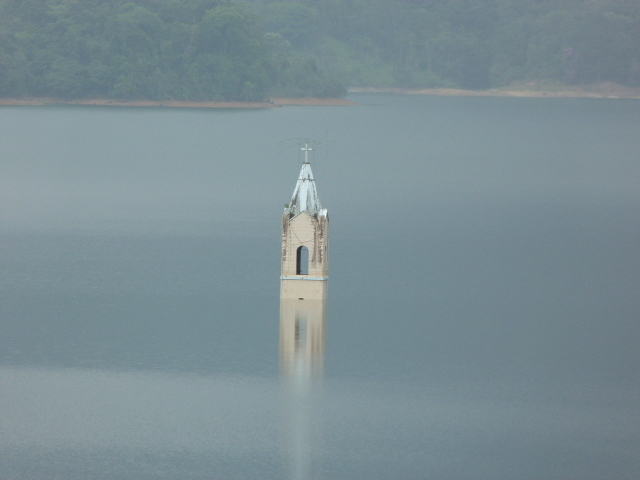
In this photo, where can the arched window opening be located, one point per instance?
(302, 261)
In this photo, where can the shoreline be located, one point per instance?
(271, 103)
(529, 90)
(525, 90)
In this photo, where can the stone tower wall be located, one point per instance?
(308, 231)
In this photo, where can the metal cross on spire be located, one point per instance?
(306, 149)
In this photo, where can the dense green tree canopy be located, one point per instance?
(250, 49)
(463, 43)
(150, 49)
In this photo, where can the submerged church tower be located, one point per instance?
(304, 277)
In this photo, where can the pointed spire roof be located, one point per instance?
(305, 196)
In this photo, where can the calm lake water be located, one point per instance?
(484, 305)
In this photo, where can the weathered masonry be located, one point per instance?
(304, 276)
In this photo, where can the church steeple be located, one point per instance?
(305, 233)
(305, 196)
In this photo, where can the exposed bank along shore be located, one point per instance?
(272, 103)
(532, 89)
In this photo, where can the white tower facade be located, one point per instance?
(304, 277)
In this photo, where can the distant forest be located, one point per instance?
(253, 49)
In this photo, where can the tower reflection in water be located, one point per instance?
(303, 301)
(302, 338)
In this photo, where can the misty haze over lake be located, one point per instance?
(483, 295)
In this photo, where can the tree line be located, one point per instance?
(252, 49)
(463, 43)
(148, 49)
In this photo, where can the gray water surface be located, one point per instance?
(483, 307)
